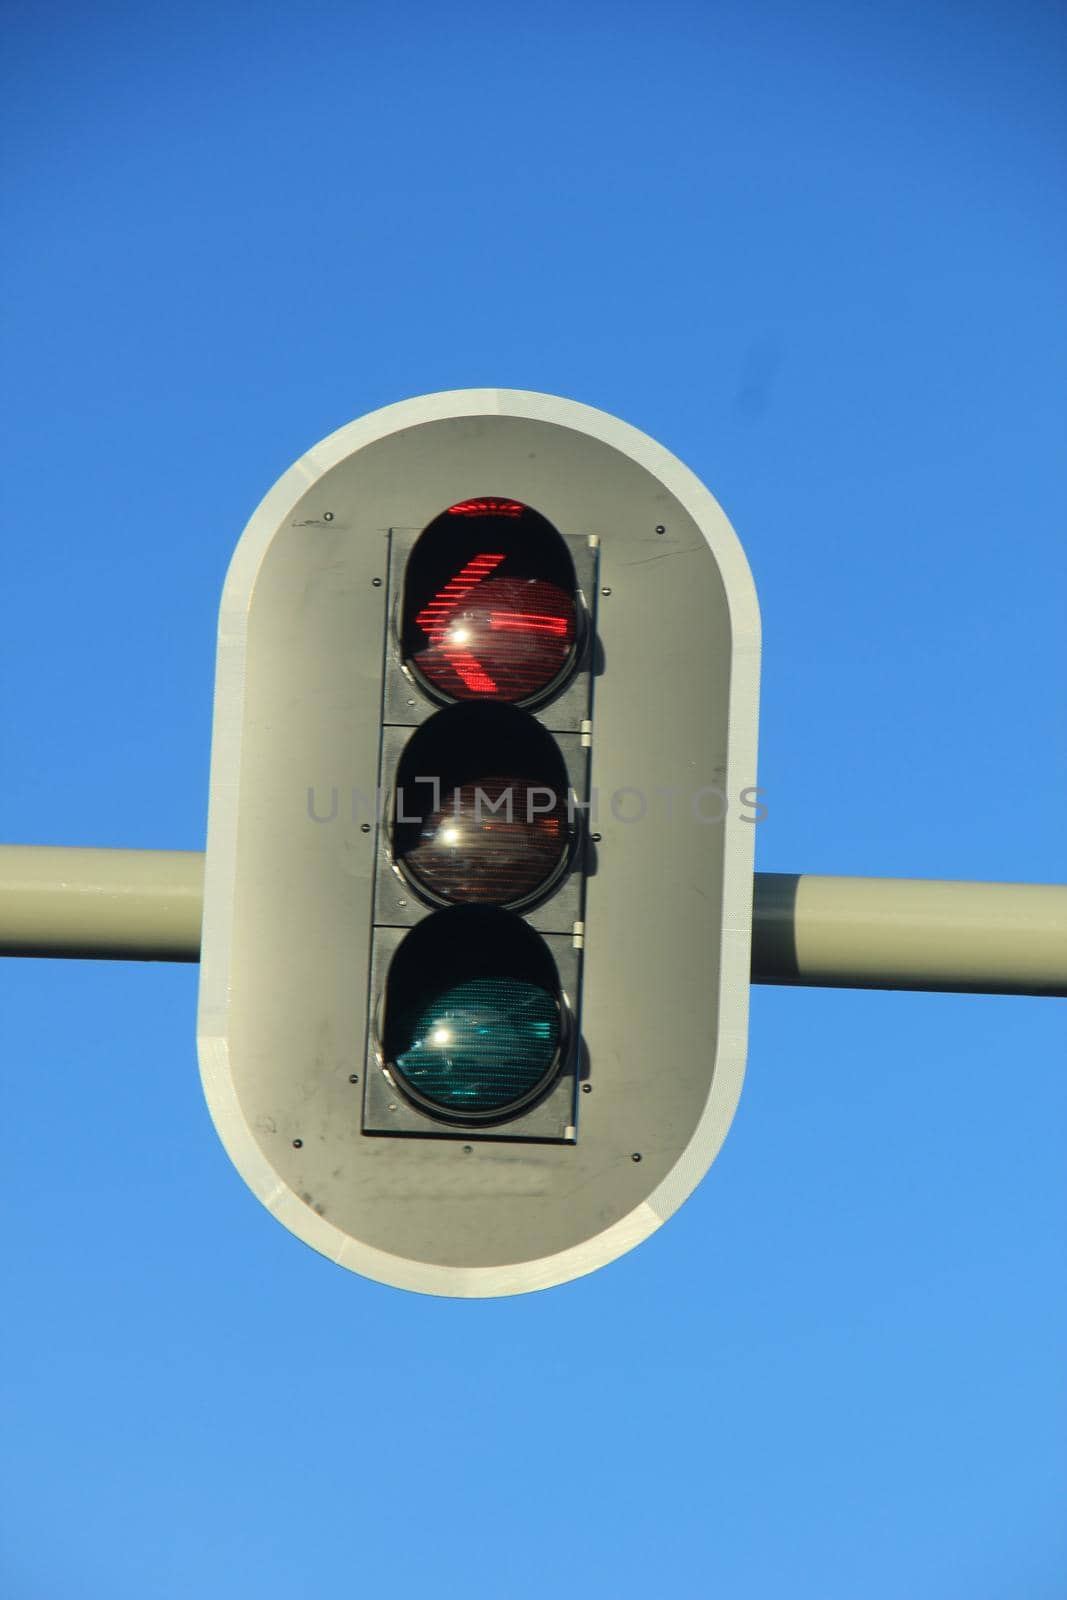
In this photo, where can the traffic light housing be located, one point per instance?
(481, 845)
(475, 958)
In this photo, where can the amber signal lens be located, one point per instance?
(482, 813)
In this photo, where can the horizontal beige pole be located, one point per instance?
(117, 905)
(842, 933)
(910, 933)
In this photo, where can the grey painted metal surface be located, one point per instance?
(287, 912)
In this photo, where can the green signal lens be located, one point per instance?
(481, 1046)
(474, 1018)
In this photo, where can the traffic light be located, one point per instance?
(475, 959)
(482, 849)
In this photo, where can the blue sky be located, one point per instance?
(819, 252)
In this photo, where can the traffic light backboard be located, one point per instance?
(475, 963)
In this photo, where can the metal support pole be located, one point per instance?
(841, 933)
(910, 933)
(116, 905)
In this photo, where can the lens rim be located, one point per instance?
(497, 1114)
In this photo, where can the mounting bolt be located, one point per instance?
(364, 827)
(298, 1144)
(377, 582)
(605, 591)
(327, 516)
(587, 1088)
(353, 1077)
(636, 1156)
(660, 528)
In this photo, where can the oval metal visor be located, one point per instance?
(482, 812)
(473, 1016)
(490, 607)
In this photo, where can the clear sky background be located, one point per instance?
(819, 251)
